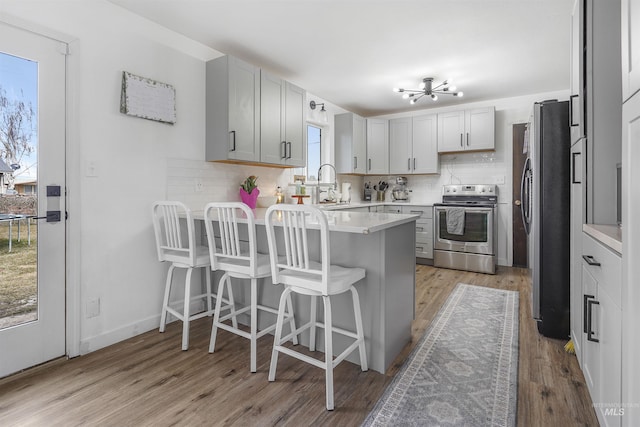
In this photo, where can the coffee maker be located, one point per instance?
(400, 193)
(368, 191)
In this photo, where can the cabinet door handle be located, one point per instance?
(571, 101)
(416, 212)
(467, 139)
(585, 312)
(284, 150)
(414, 163)
(409, 164)
(419, 249)
(590, 305)
(369, 164)
(461, 144)
(419, 228)
(289, 145)
(573, 168)
(355, 162)
(591, 260)
(233, 145)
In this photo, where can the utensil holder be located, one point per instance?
(380, 196)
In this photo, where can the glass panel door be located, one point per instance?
(32, 199)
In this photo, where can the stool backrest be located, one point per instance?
(231, 245)
(288, 224)
(171, 242)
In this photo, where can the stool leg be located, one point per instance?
(278, 334)
(328, 351)
(254, 322)
(216, 314)
(360, 331)
(292, 320)
(313, 319)
(232, 303)
(165, 300)
(207, 271)
(186, 312)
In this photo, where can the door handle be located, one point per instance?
(289, 145)
(233, 133)
(585, 308)
(517, 202)
(573, 168)
(467, 139)
(591, 260)
(52, 216)
(590, 305)
(409, 164)
(355, 162)
(284, 150)
(414, 163)
(369, 164)
(461, 144)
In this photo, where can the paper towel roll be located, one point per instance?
(346, 192)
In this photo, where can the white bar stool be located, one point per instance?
(306, 277)
(181, 252)
(240, 259)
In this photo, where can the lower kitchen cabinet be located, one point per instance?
(602, 329)
(424, 230)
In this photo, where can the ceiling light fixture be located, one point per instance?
(426, 88)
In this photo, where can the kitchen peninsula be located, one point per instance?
(384, 245)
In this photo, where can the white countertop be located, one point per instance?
(338, 206)
(609, 235)
(346, 222)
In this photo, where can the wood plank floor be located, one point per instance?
(148, 380)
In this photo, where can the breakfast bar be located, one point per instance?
(384, 245)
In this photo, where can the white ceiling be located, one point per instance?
(352, 53)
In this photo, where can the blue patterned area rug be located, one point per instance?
(464, 370)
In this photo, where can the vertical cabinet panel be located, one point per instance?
(425, 144)
(294, 125)
(630, 47)
(350, 139)
(400, 146)
(377, 146)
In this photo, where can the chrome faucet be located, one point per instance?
(335, 175)
(331, 192)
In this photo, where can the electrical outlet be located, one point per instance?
(92, 168)
(199, 187)
(93, 308)
(499, 179)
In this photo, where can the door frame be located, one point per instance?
(73, 175)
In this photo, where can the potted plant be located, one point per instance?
(249, 191)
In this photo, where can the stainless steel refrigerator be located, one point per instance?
(546, 185)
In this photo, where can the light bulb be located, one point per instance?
(397, 89)
(434, 97)
(451, 88)
(421, 85)
(413, 101)
(460, 94)
(405, 96)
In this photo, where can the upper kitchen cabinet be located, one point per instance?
(282, 135)
(350, 144)
(377, 146)
(576, 105)
(413, 145)
(233, 107)
(466, 130)
(630, 48)
(602, 99)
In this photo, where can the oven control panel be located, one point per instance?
(469, 190)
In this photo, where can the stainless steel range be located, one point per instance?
(466, 228)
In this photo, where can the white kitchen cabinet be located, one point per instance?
(576, 105)
(466, 130)
(282, 125)
(232, 110)
(630, 48)
(578, 217)
(377, 146)
(631, 255)
(413, 145)
(350, 144)
(602, 329)
(424, 230)
(392, 209)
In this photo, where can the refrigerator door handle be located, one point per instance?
(525, 189)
